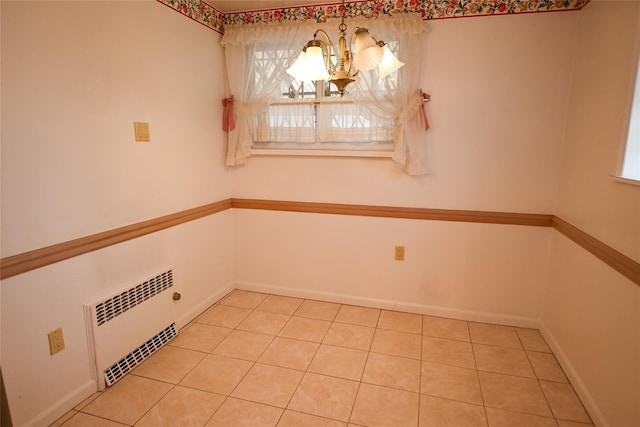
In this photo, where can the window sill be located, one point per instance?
(624, 180)
(319, 153)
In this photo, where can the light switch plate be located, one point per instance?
(141, 131)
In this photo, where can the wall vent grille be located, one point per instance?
(133, 359)
(118, 304)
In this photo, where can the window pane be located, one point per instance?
(341, 122)
(631, 167)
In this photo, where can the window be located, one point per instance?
(631, 164)
(271, 108)
(311, 115)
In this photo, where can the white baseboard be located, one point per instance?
(200, 308)
(474, 316)
(583, 393)
(61, 407)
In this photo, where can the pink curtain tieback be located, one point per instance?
(227, 116)
(425, 97)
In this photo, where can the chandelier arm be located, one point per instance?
(351, 53)
(328, 46)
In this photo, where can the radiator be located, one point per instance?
(126, 328)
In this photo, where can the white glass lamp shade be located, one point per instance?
(389, 63)
(297, 69)
(314, 67)
(368, 54)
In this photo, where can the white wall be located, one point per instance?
(499, 89)
(591, 312)
(473, 271)
(75, 76)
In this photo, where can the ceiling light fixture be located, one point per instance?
(315, 63)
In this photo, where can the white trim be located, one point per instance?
(580, 388)
(61, 407)
(453, 313)
(625, 180)
(319, 153)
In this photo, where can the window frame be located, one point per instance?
(631, 144)
(324, 93)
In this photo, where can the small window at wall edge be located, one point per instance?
(630, 170)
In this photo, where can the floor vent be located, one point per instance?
(128, 299)
(133, 359)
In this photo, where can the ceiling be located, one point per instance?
(227, 6)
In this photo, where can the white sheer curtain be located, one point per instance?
(398, 97)
(257, 57)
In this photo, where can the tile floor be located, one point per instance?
(256, 360)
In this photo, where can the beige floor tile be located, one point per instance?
(128, 399)
(271, 385)
(501, 336)
(240, 413)
(532, 340)
(564, 402)
(317, 310)
(264, 322)
(362, 316)
(88, 400)
(298, 419)
(500, 418)
(280, 305)
(381, 406)
(200, 337)
(305, 329)
(515, 394)
(397, 343)
(217, 374)
(450, 382)
(184, 407)
(244, 299)
(351, 336)
(440, 327)
(325, 396)
(339, 362)
(564, 423)
(66, 417)
(502, 360)
(243, 345)
(436, 412)
(86, 420)
(257, 360)
(448, 352)
(399, 321)
(392, 371)
(289, 353)
(224, 316)
(546, 367)
(169, 364)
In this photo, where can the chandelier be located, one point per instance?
(315, 61)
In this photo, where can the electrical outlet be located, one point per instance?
(399, 253)
(56, 341)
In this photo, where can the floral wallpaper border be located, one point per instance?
(202, 12)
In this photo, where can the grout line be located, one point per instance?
(305, 371)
